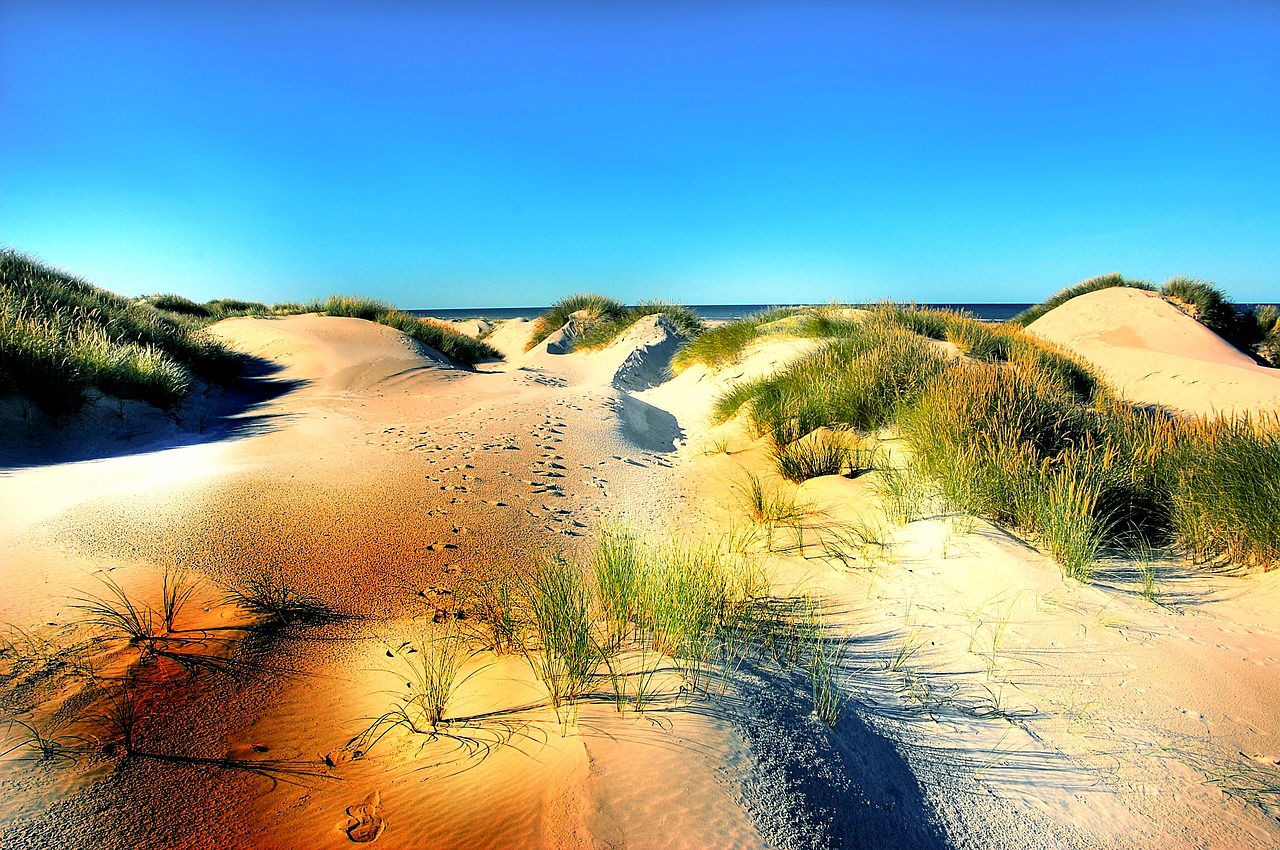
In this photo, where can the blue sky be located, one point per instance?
(437, 155)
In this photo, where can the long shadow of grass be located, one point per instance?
(841, 787)
(222, 413)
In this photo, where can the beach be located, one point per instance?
(984, 698)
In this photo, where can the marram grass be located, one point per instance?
(1017, 432)
(601, 320)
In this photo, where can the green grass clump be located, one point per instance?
(456, 346)
(272, 596)
(601, 333)
(61, 337)
(1225, 488)
(616, 565)
(597, 309)
(722, 345)
(172, 303)
(1207, 305)
(928, 323)
(199, 315)
(564, 655)
(1022, 434)
(857, 381)
(823, 452)
(604, 319)
(227, 307)
(1093, 284)
(1265, 331)
(493, 597)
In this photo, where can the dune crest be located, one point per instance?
(1152, 353)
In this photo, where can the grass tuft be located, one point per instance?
(823, 452)
(595, 309)
(559, 609)
(271, 595)
(1093, 284)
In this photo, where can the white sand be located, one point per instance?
(1155, 354)
(995, 704)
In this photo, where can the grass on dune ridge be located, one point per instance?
(601, 319)
(456, 346)
(62, 338)
(1253, 331)
(1020, 433)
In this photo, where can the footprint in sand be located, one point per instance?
(364, 821)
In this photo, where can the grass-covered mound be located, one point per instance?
(728, 343)
(456, 346)
(1093, 284)
(601, 319)
(61, 337)
(1253, 331)
(1021, 434)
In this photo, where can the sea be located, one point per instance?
(713, 312)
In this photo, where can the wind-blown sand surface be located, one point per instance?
(1153, 354)
(993, 703)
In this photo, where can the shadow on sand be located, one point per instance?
(113, 428)
(842, 787)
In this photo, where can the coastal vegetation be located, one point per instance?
(609, 628)
(1005, 427)
(599, 320)
(61, 338)
(725, 344)
(456, 346)
(1253, 330)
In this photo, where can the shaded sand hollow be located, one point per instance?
(993, 703)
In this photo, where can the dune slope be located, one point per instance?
(1155, 354)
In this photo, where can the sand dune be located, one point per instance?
(994, 703)
(1154, 354)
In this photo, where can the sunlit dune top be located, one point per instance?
(1153, 353)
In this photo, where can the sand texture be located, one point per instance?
(1155, 354)
(991, 702)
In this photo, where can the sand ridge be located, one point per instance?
(1155, 354)
(994, 703)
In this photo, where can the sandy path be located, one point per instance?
(385, 478)
(994, 703)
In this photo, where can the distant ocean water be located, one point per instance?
(714, 312)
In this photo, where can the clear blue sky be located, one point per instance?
(722, 152)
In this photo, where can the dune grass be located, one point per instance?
(61, 337)
(1209, 306)
(1225, 484)
(456, 346)
(430, 664)
(824, 452)
(559, 608)
(595, 309)
(857, 381)
(493, 595)
(616, 567)
(270, 595)
(603, 319)
(1021, 434)
(725, 344)
(1263, 327)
